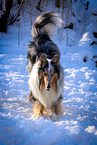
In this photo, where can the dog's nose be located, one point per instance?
(48, 87)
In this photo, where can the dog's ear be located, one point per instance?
(42, 58)
(55, 60)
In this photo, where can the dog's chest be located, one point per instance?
(47, 98)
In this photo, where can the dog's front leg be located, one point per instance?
(59, 110)
(57, 107)
(37, 108)
(30, 97)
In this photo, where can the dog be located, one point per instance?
(46, 76)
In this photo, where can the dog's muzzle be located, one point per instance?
(48, 87)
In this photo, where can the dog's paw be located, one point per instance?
(36, 117)
(54, 117)
(49, 112)
(30, 98)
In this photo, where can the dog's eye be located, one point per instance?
(45, 74)
(52, 74)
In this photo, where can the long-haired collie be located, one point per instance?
(46, 77)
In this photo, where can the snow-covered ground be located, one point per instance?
(78, 125)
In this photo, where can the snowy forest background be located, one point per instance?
(77, 40)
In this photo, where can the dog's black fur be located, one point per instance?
(41, 40)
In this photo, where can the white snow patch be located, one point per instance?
(91, 129)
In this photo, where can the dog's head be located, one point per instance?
(48, 72)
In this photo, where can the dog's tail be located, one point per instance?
(43, 25)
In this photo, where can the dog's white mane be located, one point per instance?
(48, 97)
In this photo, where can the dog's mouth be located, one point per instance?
(48, 86)
(48, 89)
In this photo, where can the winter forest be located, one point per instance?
(77, 41)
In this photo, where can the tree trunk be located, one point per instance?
(4, 17)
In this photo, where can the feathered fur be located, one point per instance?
(46, 77)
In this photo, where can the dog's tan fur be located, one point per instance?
(39, 109)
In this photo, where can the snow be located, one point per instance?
(78, 125)
(91, 129)
(93, 6)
